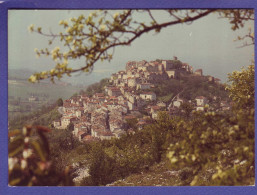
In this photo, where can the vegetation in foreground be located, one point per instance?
(206, 148)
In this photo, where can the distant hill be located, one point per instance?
(76, 79)
(19, 74)
(23, 89)
(23, 74)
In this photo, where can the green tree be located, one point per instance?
(101, 167)
(68, 142)
(186, 109)
(131, 123)
(177, 64)
(219, 141)
(70, 127)
(241, 87)
(59, 102)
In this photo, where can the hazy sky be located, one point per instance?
(206, 43)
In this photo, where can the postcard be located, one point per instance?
(117, 99)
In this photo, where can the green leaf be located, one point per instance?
(15, 151)
(14, 133)
(16, 146)
(39, 29)
(15, 181)
(45, 141)
(39, 150)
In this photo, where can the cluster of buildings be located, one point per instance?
(142, 74)
(104, 115)
(98, 117)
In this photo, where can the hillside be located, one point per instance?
(188, 88)
(44, 116)
(156, 175)
(124, 135)
(144, 148)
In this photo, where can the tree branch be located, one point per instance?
(95, 44)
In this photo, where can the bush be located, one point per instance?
(208, 136)
(29, 159)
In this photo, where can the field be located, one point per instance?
(19, 92)
(23, 89)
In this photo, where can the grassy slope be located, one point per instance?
(44, 119)
(189, 88)
(157, 175)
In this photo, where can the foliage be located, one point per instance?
(238, 18)
(29, 159)
(45, 116)
(210, 137)
(131, 123)
(186, 109)
(242, 87)
(165, 88)
(101, 168)
(189, 87)
(205, 140)
(70, 127)
(177, 64)
(216, 141)
(95, 88)
(118, 158)
(199, 86)
(65, 149)
(59, 102)
(94, 38)
(67, 142)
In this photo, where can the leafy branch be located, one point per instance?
(95, 37)
(29, 159)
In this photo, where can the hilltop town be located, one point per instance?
(130, 95)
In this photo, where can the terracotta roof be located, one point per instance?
(74, 118)
(106, 133)
(200, 97)
(156, 107)
(129, 117)
(81, 133)
(115, 89)
(83, 118)
(141, 123)
(89, 138)
(112, 97)
(99, 94)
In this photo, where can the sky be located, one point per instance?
(207, 43)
